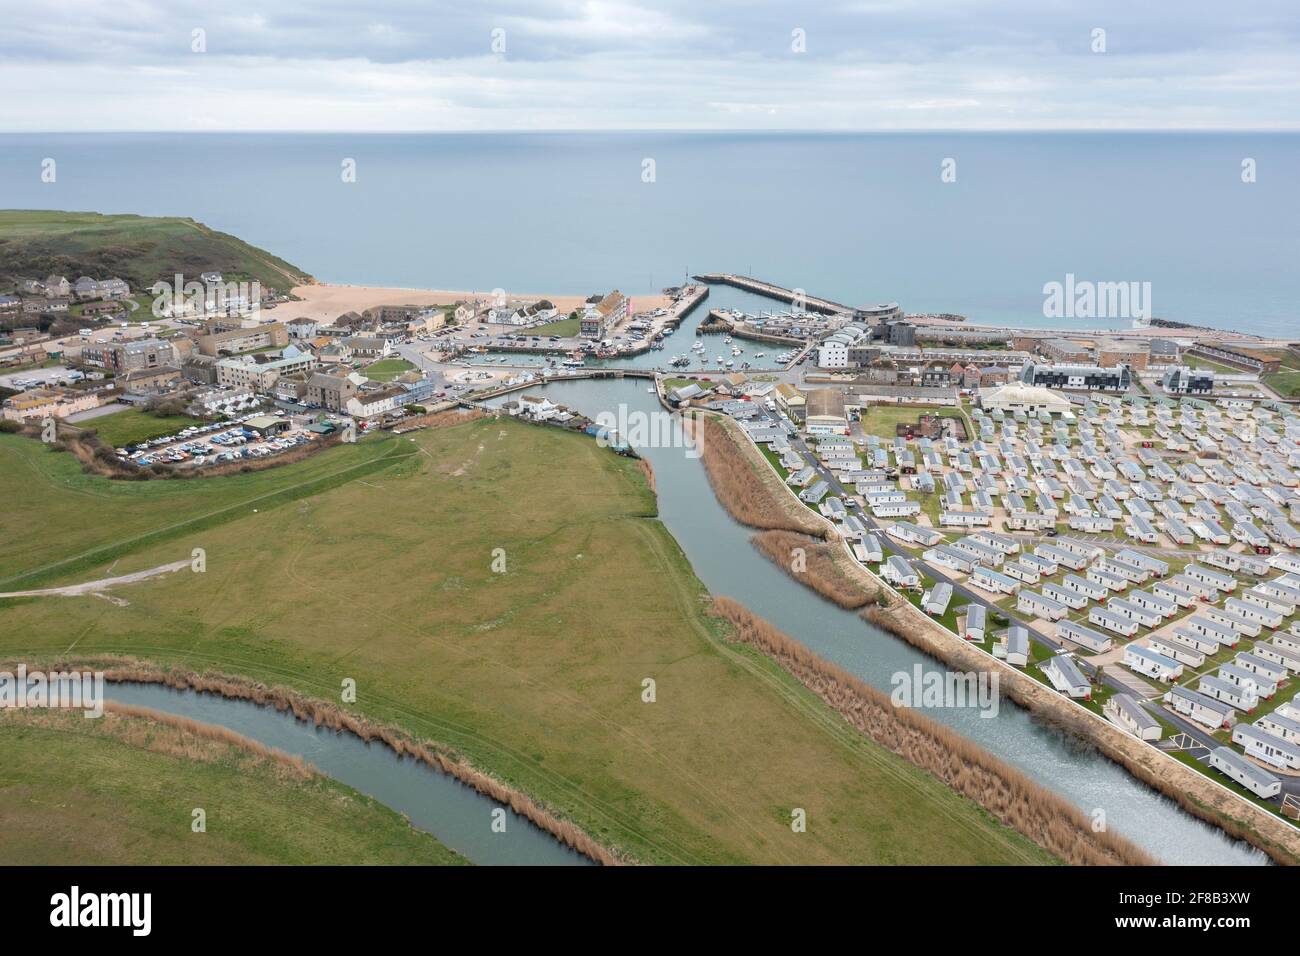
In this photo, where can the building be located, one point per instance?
(268, 426)
(1265, 747)
(1090, 378)
(331, 389)
(1125, 712)
(602, 315)
(121, 357)
(1255, 779)
(1066, 677)
(302, 328)
(1015, 646)
(221, 337)
(41, 403)
(1181, 380)
(1019, 397)
(789, 399)
(1112, 353)
(825, 413)
(373, 403)
(1201, 708)
(1144, 660)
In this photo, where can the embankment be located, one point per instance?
(325, 714)
(1007, 794)
(1192, 791)
(752, 495)
(813, 562)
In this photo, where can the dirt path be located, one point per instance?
(91, 587)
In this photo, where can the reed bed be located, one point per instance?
(1003, 791)
(326, 714)
(1192, 792)
(292, 763)
(743, 490)
(817, 566)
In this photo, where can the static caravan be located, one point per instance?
(1223, 633)
(913, 534)
(899, 572)
(1031, 602)
(1290, 710)
(1068, 559)
(935, 601)
(1270, 601)
(1124, 711)
(1108, 580)
(1144, 660)
(1262, 745)
(975, 618)
(1171, 646)
(1171, 591)
(1130, 572)
(1201, 708)
(1208, 576)
(1202, 590)
(1083, 636)
(950, 558)
(1112, 622)
(1003, 542)
(872, 547)
(1015, 646)
(1230, 619)
(1134, 612)
(1286, 659)
(1084, 587)
(1288, 728)
(1221, 690)
(964, 519)
(1279, 589)
(1021, 572)
(1255, 779)
(1257, 684)
(1145, 561)
(1263, 616)
(897, 509)
(982, 553)
(1091, 524)
(1152, 602)
(1196, 641)
(1289, 639)
(1065, 676)
(1178, 531)
(1140, 529)
(994, 581)
(1260, 667)
(1070, 599)
(1086, 551)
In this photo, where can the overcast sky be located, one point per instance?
(635, 64)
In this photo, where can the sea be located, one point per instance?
(976, 224)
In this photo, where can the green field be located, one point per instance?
(881, 419)
(132, 426)
(121, 790)
(140, 249)
(385, 370)
(374, 562)
(565, 328)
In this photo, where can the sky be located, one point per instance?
(392, 65)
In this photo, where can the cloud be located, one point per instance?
(410, 64)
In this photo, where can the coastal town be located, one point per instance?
(1112, 513)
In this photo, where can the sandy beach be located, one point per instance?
(330, 301)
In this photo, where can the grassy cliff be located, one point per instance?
(140, 249)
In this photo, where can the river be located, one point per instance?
(720, 553)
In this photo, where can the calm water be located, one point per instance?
(854, 217)
(720, 553)
(457, 815)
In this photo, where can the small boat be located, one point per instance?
(760, 355)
